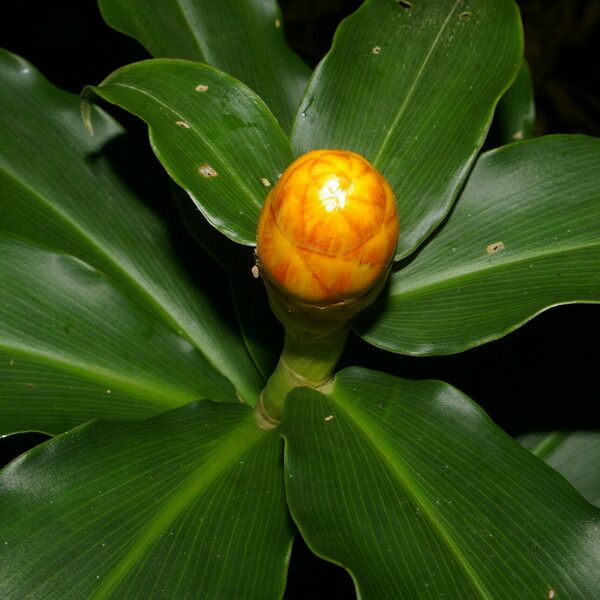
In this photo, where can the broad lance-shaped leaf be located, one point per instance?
(523, 236)
(214, 136)
(60, 192)
(574, 454)
(412, 86)
(74, 347)
(414, 490)
(188, 504)
(241, 37)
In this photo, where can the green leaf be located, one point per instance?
(63, 205)
(241, 37)
(515, 113)
(189, 504)
(74, 347)
(574, 454)
(523, 236)
(412, 86)
(214, 136)
(414, 490)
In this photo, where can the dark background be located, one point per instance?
(541, 377)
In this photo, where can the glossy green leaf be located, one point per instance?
(215, 137)
(574, 454)
(74, 347)
(414, 490)
(68, 218)
(412, 86)
(189, 504)
(523, 236)
(515, 113)
(241, 37)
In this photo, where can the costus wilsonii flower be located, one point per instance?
(328, 230)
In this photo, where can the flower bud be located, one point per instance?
(328, 230)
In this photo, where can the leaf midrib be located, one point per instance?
(178, 116)
(458, 275)
(550, 443)
(411, 90)
(156, 306)
(168, 397)
(227, 453)
(184, 9)
(397, 469)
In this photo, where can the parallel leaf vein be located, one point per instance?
(229, 451)
(461, 274)
(413, 86)
(171, 320)
(394, 464)
(178, 116)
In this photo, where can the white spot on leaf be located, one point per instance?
(376, 50)
(265, 182)
(201, 87)
(495, 247)
(183, 124)
(207, 171)
(329, 418)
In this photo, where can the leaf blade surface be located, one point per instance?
(187, 504)
(413, 89)
(415, 491)
(523, 236)
(574, 454)
(241, 37)
(65, 194)
(213, 135)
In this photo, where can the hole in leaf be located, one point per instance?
(495, 247)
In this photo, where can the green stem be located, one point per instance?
(306, 360)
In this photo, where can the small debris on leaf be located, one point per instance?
(464, 15)
(329, 418)
(265, 182)
(495, 247)
(201, 88)
(183, 124)
(207, 171)
(376, 50)
(255, 272)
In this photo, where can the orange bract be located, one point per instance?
(328, 229)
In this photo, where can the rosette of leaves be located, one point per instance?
(159, 481)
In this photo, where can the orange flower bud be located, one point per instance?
(328, 230)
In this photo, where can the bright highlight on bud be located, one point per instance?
(328, 229)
